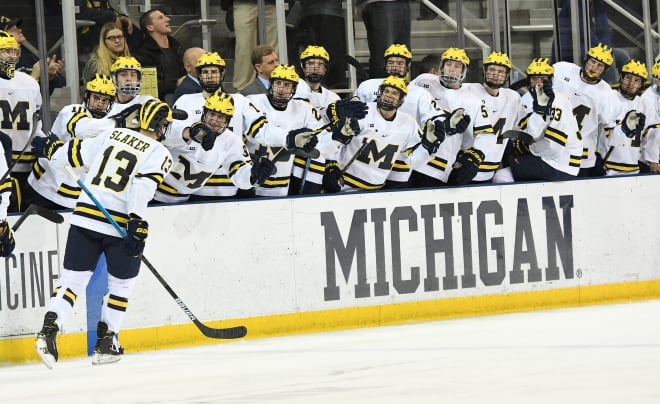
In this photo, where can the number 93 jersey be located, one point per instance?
(125, 168)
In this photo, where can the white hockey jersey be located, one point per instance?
(595, 106)
(20, 99)
(383, 140)
(504, 111)
(125, 168)
(318, 99)
(479, 134)
(194, 166)
(298, 114)
(556, 138)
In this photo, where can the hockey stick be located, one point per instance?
(35, 119)
(39, 211)
(221, 333)
(519, 135)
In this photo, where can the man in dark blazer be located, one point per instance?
(264, 60)
(190, 83)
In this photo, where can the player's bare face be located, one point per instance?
(594, 68)
(210, 75)
(396, 66)
(216, 121)
(99, 102)
(282, 89)
(631, 83)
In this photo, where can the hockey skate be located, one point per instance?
(107, 348)
(46, 344)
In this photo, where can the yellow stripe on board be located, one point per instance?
(70, 345)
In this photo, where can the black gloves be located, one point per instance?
(126, 118)
(303, 139)
(633, 123)
(466, 167)
(433, 134)
(457, 122)
(7, 243)
(344, 134)
(137, 231)
(201, 133)
(333, 178)
(261, 170)
(46, 146)
(340, 110)
(542, 98)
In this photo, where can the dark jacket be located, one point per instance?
(27, 61)
(169, 69)
(187, 86)
(255, 87)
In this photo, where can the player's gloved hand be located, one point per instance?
(261, 170)
(201, 133)
(340, 110)
(520, 147)
(127, 117)
(346, 132)
(466, 167)
(633, 123)
(433, 134)
(46, 146)
(333, 178)
(542, 98)
(599, 169)
(137, 231)
(7, 243)
(457, 122)
(303, 139)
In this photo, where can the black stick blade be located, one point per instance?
(221, 333)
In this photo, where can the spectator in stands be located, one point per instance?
(101, 12)
(246, 29)
(387, 22)
(112, 44)
(160, 50)
(190, 83)
(600, 33)
(264, 61)
(29, 62)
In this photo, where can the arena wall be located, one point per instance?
(307, 264)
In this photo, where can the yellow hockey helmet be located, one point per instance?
(540, 67)
(602, 53)
(126, 63)
(656, 70)
(10, 52)
(455, 54)
(285, 72)
(155, 116)
(123, 63)
(220, 102)
(400, 50)
(101, 84)
(210, 59)
(636, 68)
(7, 41)
(313, 51)
(396, 82)
(498, 58)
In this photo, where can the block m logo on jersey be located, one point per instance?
(385, 157)
(16, 118)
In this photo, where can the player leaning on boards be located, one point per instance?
(125, 167)
(367, 148)
(211, 145)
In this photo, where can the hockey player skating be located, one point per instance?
(368, 147)
(125, 167)
(552, 149)
(211, 145)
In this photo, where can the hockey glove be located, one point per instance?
(262, 169)
(303, 139)
(7, 243)
(542, 98)
(433, 134)
(598, 170)
(46, 146)
(633, 123)
(341, 109)
(137, 231)
(457, 122)
(6, 142)
(346, 132)
(201, 133)
(128, 117)
(466, 167)
(333, 178)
